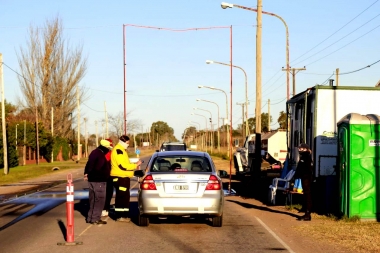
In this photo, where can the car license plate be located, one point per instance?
(181, 187)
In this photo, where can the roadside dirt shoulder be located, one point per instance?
(284, 224)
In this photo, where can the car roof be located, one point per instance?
(182, 152)
(173, 143)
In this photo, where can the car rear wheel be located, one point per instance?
(143, 221)
(217, 221)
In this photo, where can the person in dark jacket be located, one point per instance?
(97, 171)
(305, 172)
(109, 187)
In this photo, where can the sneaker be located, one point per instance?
(122, 219)
(104, 213)
(99, 222)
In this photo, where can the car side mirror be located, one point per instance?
(138, 173)
(222, 173)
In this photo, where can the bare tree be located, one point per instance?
(51, 70)
(116, 121)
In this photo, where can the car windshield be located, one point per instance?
(172, 163)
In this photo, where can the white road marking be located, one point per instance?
(275, 236)
(89, 228)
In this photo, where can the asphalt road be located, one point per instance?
(36, 223)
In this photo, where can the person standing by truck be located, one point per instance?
(305, 172)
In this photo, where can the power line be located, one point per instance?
(338, 40)
(337, 30)
(328, 78)
(346, 73)
(279, 102)
(343, 46)
(91, 108)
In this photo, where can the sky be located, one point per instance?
(166, 58)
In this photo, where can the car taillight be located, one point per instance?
(213, 183)
(148, 183)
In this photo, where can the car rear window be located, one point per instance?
(181, 164)
(173, 147)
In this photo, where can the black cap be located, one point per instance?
(304, 145)
(124, 138)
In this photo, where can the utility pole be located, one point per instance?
(16, 138)
(78, 119)
(337, 77)
(37, 136)
(5, 149)
(106, 118)
(258, 88)
(96, 133)
(223, 119)
(294, 71)
(85, 138)
(268, 115)
(52, 132)
(242, 124)
(24, 148)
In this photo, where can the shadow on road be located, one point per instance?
(262, 208)
(62, 227)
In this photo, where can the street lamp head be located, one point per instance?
(225, 5)
(192, 113)
(200, 86)
(209, 62)
(194, 108)
(199, 99)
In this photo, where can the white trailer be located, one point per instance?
(313, 116)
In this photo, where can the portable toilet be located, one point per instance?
(359, 165)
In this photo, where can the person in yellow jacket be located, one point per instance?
(121, 172)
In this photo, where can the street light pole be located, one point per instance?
(246, 89)
(199, 130)
(227, 5)
(218, 120)
(211, 129)
(227, 132)
(206, 126)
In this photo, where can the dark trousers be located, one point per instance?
(122, 185)
(97, 196)
(306, 186)
(109, 194)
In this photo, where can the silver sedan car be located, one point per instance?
(181, 183)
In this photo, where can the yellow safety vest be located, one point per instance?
(120, 164)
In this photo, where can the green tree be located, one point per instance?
(264, 123)
(282, 120)
(163, 131)
(189, 131)
(11, 147)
